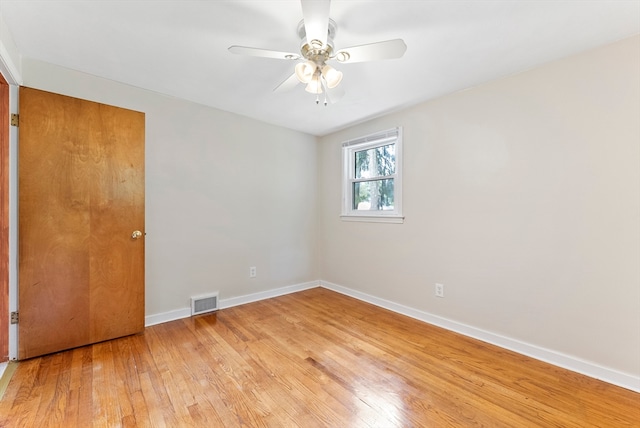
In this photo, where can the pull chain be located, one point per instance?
(326, 89)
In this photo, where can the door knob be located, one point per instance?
(136, 234)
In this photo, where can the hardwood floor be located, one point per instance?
(310, 359)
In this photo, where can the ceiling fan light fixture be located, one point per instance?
(317, 47)
(332, 76)
(305, 71)
(315, 85)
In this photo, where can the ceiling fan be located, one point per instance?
(317, 31)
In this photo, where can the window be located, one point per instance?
(372, 177)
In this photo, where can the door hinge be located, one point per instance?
(14, 317)
(15, 119)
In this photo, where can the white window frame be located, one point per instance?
(349, 149)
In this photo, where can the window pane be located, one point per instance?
(376, 162)
(374, 195)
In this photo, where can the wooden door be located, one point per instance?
(81, 196)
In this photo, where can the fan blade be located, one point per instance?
(335, 94)
(288, 84)
(264, 53)
(316, 19)
(389, 49)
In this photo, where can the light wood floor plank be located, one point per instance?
(310, 359)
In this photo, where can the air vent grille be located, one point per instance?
(204, 304)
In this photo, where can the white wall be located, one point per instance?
(521, 196)
(223, 193)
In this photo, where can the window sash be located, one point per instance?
(376, 178)
(375, 183)
(374, 164)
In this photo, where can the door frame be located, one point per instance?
(4, 220)
(10, 72)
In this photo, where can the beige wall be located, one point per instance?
(223, 193)
(521, 196)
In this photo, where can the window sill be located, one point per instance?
(374, 218)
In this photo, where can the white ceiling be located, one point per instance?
(179, 47)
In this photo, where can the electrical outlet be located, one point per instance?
(253, 272)
(439, 290)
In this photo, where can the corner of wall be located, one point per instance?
(10, 59)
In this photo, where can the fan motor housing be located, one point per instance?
(310, 50)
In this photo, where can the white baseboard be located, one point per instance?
(176, 314)
(549, 356)
(241, 300)
(228, 303)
